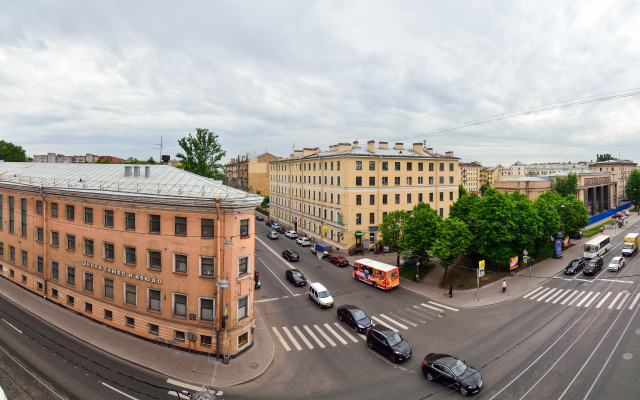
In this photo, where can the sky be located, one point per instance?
(112, 78)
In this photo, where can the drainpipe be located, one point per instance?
(44, 213)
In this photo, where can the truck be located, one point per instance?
(322, 248)
(630, 244)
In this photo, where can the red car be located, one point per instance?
(340, 261)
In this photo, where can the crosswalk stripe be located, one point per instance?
(634, 301)
(584, 299)
(538, 294)
(566, 292)
(344, 331)
(530, 293)
(431, 307)
(577, 297)
(279, 336)
(592, 299)
(546, 294)
(570, 296)
(325, 336)
(623, 301)
(313, 335)
(421, 313)
(614, 301)
(363, 336)
(417, 313)
(443, 306)
(601, 302)
(552, 297)
(335, 334)
(303, 337)
(394, 322)
(293, 340)
(384, 323)
(404, 319)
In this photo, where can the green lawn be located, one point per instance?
(596, 229)
(410, 272)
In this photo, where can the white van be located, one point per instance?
(320, 295)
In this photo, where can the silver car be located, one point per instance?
(303, 241)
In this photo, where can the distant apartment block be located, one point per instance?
(250, 173)
(62, 159)
(471, 176)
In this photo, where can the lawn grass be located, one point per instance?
(596, 229)
(410, 271)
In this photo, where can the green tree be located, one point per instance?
(420, 230)
(13, 153)
(202, 154)
(461, 191)
(453, 238)
(632, 188)
(463, 207)
(493, 227)
(391, 231)
(566, 185)
(265, 202)
(484, 187)
(573, 215)
(604, 157)
(525, 221)
(547, 206)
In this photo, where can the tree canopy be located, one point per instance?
(202, 154)
(573, 215)
(566, 185)
(420, 229)
(13, 153)
(632, 188)
(484, 187)
(461, 191)
(453, 238)
(604, 157)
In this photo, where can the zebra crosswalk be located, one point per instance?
(584, 298)
(337, 334)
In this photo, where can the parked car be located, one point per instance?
(275, 226)
(294, 276)
(389, 343)
(594, 265)
(259, 217)
(574, 266)
(355, 318)
(452, 372)
(320, 295)
(619, 214)
(616, 263)
(303, 241)
(340, 261)
(290, 255)
(408, 260)
(269, 223)
(272, 235)
(625, 213)
(322, 247)
(291, 234)
(280, 229)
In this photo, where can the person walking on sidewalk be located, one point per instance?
(450, 291)
(504, 286)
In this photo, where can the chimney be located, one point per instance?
(399, 146)
(417, 147)
(371, 146)
(147, 172)
(342, 147)
(309, 151)
(449, 154)
(127, 170)
(165, 160)
(136, 170)
(383, 145)
(430, 150)
(355, 144)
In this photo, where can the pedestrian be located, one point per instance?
(450, 291)
(504, 286)
(601, 229)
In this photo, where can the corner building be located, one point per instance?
(139, 248)
(342, 195)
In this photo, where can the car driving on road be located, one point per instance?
(291, 255)
(594, 265)
(320, 295)
(272, 235)
(340, 261)
(354, 317)
(387, 342)
(303, 241)
(452, 372)
(616, 263)
(574, 266)
(294, 276)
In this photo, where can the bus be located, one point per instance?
(376, 274)
(597, 246)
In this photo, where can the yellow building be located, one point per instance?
(489, 175)
(621, 170)
(342, 194)
(250, 173)
(471, 176)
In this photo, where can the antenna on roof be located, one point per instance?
(160, 148)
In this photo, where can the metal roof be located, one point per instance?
(525, 179)
(363, 152)
(165, 180)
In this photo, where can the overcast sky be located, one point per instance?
(110, 78)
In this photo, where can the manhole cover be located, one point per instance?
(627, 356)
(638, 331)
(253, 365)
(369, 296)
(319, 266)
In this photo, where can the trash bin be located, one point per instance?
(225, 358)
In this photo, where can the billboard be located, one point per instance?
(513, 264)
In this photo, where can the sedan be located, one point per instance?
(625, 212)
(290, 255)
(272, 235)
(259, 217)
(291, 234)
(616, 263)
(303, 241)
(269, 224)
(340, 261)
(574, 266)
(355, 318)
(452, 372)
(294, 276)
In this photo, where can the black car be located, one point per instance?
(290, 255)
(452, 372)
(354, 317)
(294, 276)
(574, 266)
(259, 217)
(389, 343)
(280, 229)
(269, 223)
(594, 265)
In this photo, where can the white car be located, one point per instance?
(616, 263)
(320, 295)
(303, 241)
(291, 234)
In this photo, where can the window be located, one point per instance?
(153, 329)
(54, 293)
(372, 199)
(325, 180)
(1, 249)
(88, 215)
(109, 251)
(39, 264)
(25, 258)
(358, 200)
(71, 275)
(54, 210)
(108, 315)
(358, 181)
(23, 217)
(409, 166)
(331, 165)
(154, 223)
(450, 195)
(39, 286)
(70, 300)
(372, 165)
(11, 273)
(431, 180)
(420, 180)
(108, 290)
(358, 165)
(130, 294)
(441, 196)
(338, 181)
(178, 335)
(397, 199)
(385, 166)
(372, 181)
(155, 297)
(397, 166)
(71, 242)
(372, 218)
(88, 247)
(1, 212)
(244, 228)
(243, 265)
(206, 309)
(243, 339)
(88, 282)
(40, 234)
(385, 180)
(128, 321)
(441, 166)
(450, 166)
(358, 219)
(24, 279)
(442, 212)
(419, 197)
(451, 179)
(108, 218)
(409, 180)
(12, 253)
(181, 225)
(129, 221)
(39, 207)
(442, 180)
(430, 166)
(71, 211)
(243, 308)
(207, 266)
(338, 199)
(180, 263)
(384, 199)
(12, 221)
(338, 166)
(155, 259)
(420, 166)
(431, 197)
(54, 270)
(130, 255)
(179, 305)
(205, 340)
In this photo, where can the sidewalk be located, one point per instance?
(176, 364)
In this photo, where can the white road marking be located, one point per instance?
(443, 306)
(304, 339)
(584, 299)
(363, 336)
(8, 323)
(577, 297)
(592, 299)
(417, 313)
(603, 300)
(615, 280)
(265, 265)
(334, 333)
(325, 336)
(185, 385)
(344, 331)
(538, 294)
(530, 293)
(569, 298)
(29, 372)
(404, 320)
(431, 307)
(393, 321)
(293, 340)
(384, 323)
(561, 296)
(180, 395)
(623, 301)
(552, 297)
(546, 294)
(634, 301)
(279, 336)
(265, 300)
(313, 335)
(614, 301)
(122, 393)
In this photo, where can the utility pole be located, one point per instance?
(156, 148)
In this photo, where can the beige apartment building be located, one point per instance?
(620, 169)
(489, 175)
(471, 176)
(250, 173)
(342, 194)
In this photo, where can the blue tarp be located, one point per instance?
(609, 213)
(323, 247)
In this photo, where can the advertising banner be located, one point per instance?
(566, 241)
(514, 263)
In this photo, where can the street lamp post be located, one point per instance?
(221, 284)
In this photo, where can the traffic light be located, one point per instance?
(223, 322)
